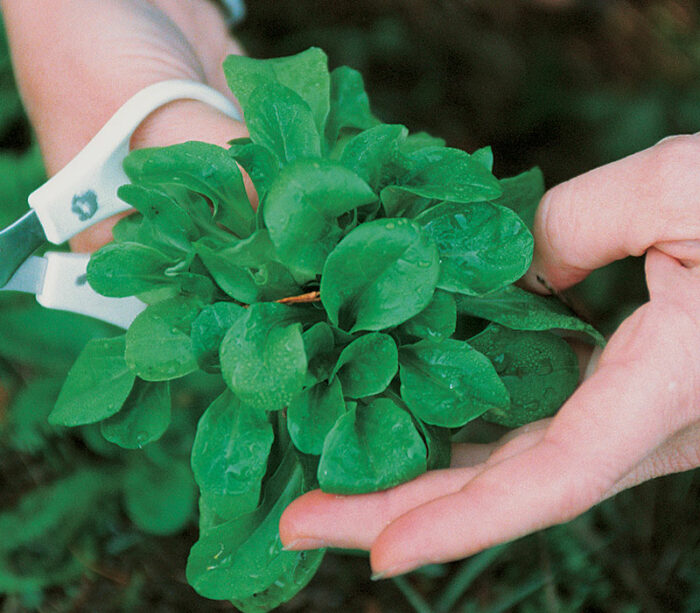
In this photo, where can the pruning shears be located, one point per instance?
(81, 194)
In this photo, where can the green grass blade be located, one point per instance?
(461, 582)
(414, 598)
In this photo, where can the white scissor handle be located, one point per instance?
(66, 289)
(85, 190)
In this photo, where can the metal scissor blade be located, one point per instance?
(17, 242)
(29, 277)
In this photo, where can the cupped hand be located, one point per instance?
(78, 61)
(635, 418)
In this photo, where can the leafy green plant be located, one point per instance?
(353, 321)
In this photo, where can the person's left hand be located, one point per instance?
(77, 61)
(635, 418)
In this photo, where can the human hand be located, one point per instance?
(77, 61)
(637, 416)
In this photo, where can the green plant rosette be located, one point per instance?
(357, 316)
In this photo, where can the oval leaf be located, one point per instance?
(539, 369)
(483, 247)
(204, 169)
(125, 269)
(367, 365)
(436, 321)
(518, 309)
(143, 419)
(278, 119)
(263, 358)
(229, 455)
(381, 274)
(449, 383)
(312, 414)
(302, 208)
(97, 384)
(208, 331)
(371, 448)
(242, 559)
(158, 343)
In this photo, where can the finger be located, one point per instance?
(97, 235)
(204, 26)
(321, 520)
(605, 429)
(618, 210)
(679, 453)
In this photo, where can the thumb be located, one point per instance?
(176, 122)
(617, 210)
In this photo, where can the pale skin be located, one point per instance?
(636, 417)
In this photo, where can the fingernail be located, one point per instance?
(399, 569)
(304, 543)
(534, 281)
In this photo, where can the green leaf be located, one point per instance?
(143, 419)
(539, 369)
(25, 423)
(208, 331)
(381, 274)
(96, 386)
(167, 222)
(448, 383)
(204, 169)
(420, 140)
(375, 154)
(349, 104)
(319, 343)
(263, 358)
(523, 193)
(485, 157)
(302, 210)
(517, 309)
(281, 121)
(435, 322)
(126, 230)
(41, 338)
(159, 499)
(229, 455)
(286, 586)
(441, 173)
(367, 365)
(483, 247)
(312, 414)
(259, 162)
(242, 559)
(118, 270)
(249, 270)
(158, 343)
(439, 445)
(371, 448)
(306, 73)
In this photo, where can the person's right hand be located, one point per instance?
(635, 418)
(77, 61)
